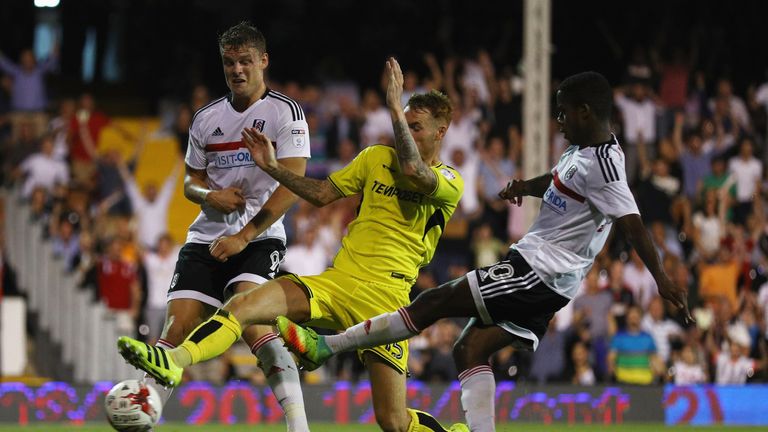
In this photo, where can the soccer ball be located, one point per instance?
(133, 406)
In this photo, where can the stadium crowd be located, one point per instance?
(695, 154)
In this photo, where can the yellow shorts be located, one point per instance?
(339, 301)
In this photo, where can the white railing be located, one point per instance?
(85, 330)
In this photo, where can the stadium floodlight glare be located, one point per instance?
(46, 3)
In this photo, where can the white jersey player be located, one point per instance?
(512, 301)
(238, 238)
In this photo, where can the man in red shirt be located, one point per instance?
(119, 286)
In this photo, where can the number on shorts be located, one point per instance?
(276, 259)
(395, 349)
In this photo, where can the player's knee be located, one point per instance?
(236, 303)
(178, 329)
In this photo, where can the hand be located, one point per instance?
(514, 191)
(394, 84)
(224, 247)
(226, 200)
(678, 296)
(262, 151)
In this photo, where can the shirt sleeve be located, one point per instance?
(450, 185)
(293, 140)
(607, 187)
(195, 157)
(351, 179)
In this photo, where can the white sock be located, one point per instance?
(379, 330)
(283, 377)
(164, 392)
(478, 390)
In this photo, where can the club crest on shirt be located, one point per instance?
(571, 171)
(259, 124)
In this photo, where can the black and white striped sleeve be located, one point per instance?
(607, 187)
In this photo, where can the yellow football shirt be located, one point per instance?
(397, 228)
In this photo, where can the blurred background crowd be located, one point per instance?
(692, 128)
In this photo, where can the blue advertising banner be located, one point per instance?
(710, 404)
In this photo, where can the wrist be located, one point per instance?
(206, 194)
(246, 234)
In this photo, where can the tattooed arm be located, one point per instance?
(411, 163)
(317, 192)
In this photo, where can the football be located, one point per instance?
(133, 406)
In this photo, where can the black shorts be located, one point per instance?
(510, 295)
(199, 276)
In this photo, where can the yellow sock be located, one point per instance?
(423, 422)
(211, 338)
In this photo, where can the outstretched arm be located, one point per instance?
(634, 230)
(317, 192)
(517, 189)
(408, 156)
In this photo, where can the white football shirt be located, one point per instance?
(215, 145)
(588, 191)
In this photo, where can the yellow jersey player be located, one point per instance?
(407, 197)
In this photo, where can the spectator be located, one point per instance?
(717, 179)
(377, 126)
(736, 106)
(42, 169)
(118, 286)
(494, 172)
(746, 173)
(151, 207)
(661, 328)
(84, 132)
(595, 305)
(639, 280)
(718, 279)
(709, 225)
(694, 160)
(440, 366)
(16, 150)
(487, 249)
(344, 128)
(638, 112)
(656, 192)
(306, 256)
(549, 357)
(687, 370)
(633, 358)
(181, 122)
(160, 266)
(583, 373)
(621, 295)
(733, 366)
(65, 242)
(59, 128)
(28, 96)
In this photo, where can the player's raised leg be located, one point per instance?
(210, 339)
(452, 299)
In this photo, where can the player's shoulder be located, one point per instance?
(287, 108)
(209, 109)
(449, 172)
(607, 162)
(378, 152)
